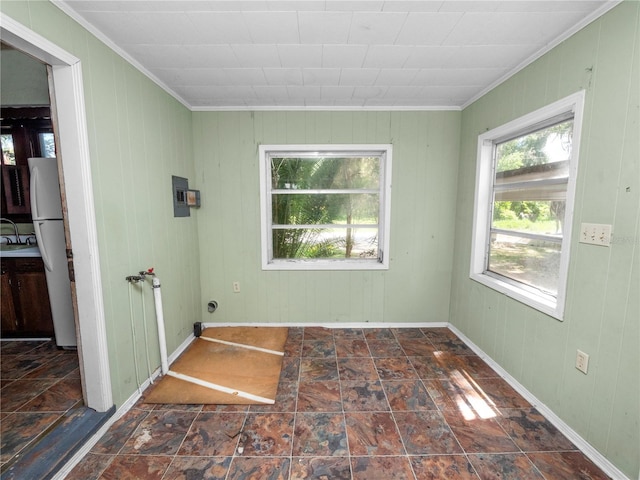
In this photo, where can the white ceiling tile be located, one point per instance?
(193, 76)
(324, 27)
(457, 77)
(191, 56)
(295, 5)
(304, 91)
(427, 28)
(137, 6)
(245, 76)
(272, 27)
(343, 56)
(510, 28)
(386, 56)
(217, 28)
(433, 57)
(358, 76)
(218, 93)
(486, 56)
(257, 55)
(233, 5)
(277, 92)
(548, 6)
(142, 27)
(412, 5)
(267, 102)
(210, 55)
(396, 76)
(153, 55)
(370, 92)
(279, 53)
(470, 5)
(283, 76)
(474, 56)
(396, 91)
(83, 6)
(300, 55)
(355, 5)
(321, 76)
(371, 28)
(451, 93)
(337, 92)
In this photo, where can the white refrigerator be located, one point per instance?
(46, 211)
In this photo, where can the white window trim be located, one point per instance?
(482, 208)
(268, 263)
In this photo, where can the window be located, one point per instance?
(525, 185)
(47, 144)
(8, 151)
(325, 207)
(25, 132)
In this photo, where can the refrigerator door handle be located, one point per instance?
(42, 245)
(34, 197)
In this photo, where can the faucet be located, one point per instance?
(15, 228)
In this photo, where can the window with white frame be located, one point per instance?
(325, 207)
(525, 184)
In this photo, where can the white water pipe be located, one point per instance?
(146, 338)
(134, 341)
(157, 295)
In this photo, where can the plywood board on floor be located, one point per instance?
(229, 365)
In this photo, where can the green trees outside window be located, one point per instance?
(530, 190)
(325, 207)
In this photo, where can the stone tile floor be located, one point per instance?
(352, 404)
(39, 384)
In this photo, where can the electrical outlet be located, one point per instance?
(236, 287)
(595, 234)
(582, 361)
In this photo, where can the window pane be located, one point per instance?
(318, 209)
(47, 144)
(8, 153)
(543, 147)
(352, 243)
(533, 262)
(530, 190)
(529, 216)
(325, 173)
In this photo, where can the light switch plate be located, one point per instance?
(595, 234)
(582, 361)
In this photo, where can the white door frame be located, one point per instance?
(74, 148)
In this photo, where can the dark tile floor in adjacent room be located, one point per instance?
(39, 384)
(352, 404)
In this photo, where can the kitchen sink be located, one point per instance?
(19, 250)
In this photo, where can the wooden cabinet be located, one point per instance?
(9, 321)
(26, 311)
(25, 132)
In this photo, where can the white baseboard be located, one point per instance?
(363, 325)
(585, 447)
(124, 408)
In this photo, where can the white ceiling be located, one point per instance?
(371, 54)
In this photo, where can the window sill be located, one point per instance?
(315, 265)
(544, 303)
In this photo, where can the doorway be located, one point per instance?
(67, 90)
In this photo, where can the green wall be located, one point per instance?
(416, 286)
(23, 80)
(603, 296)
(138, 137)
